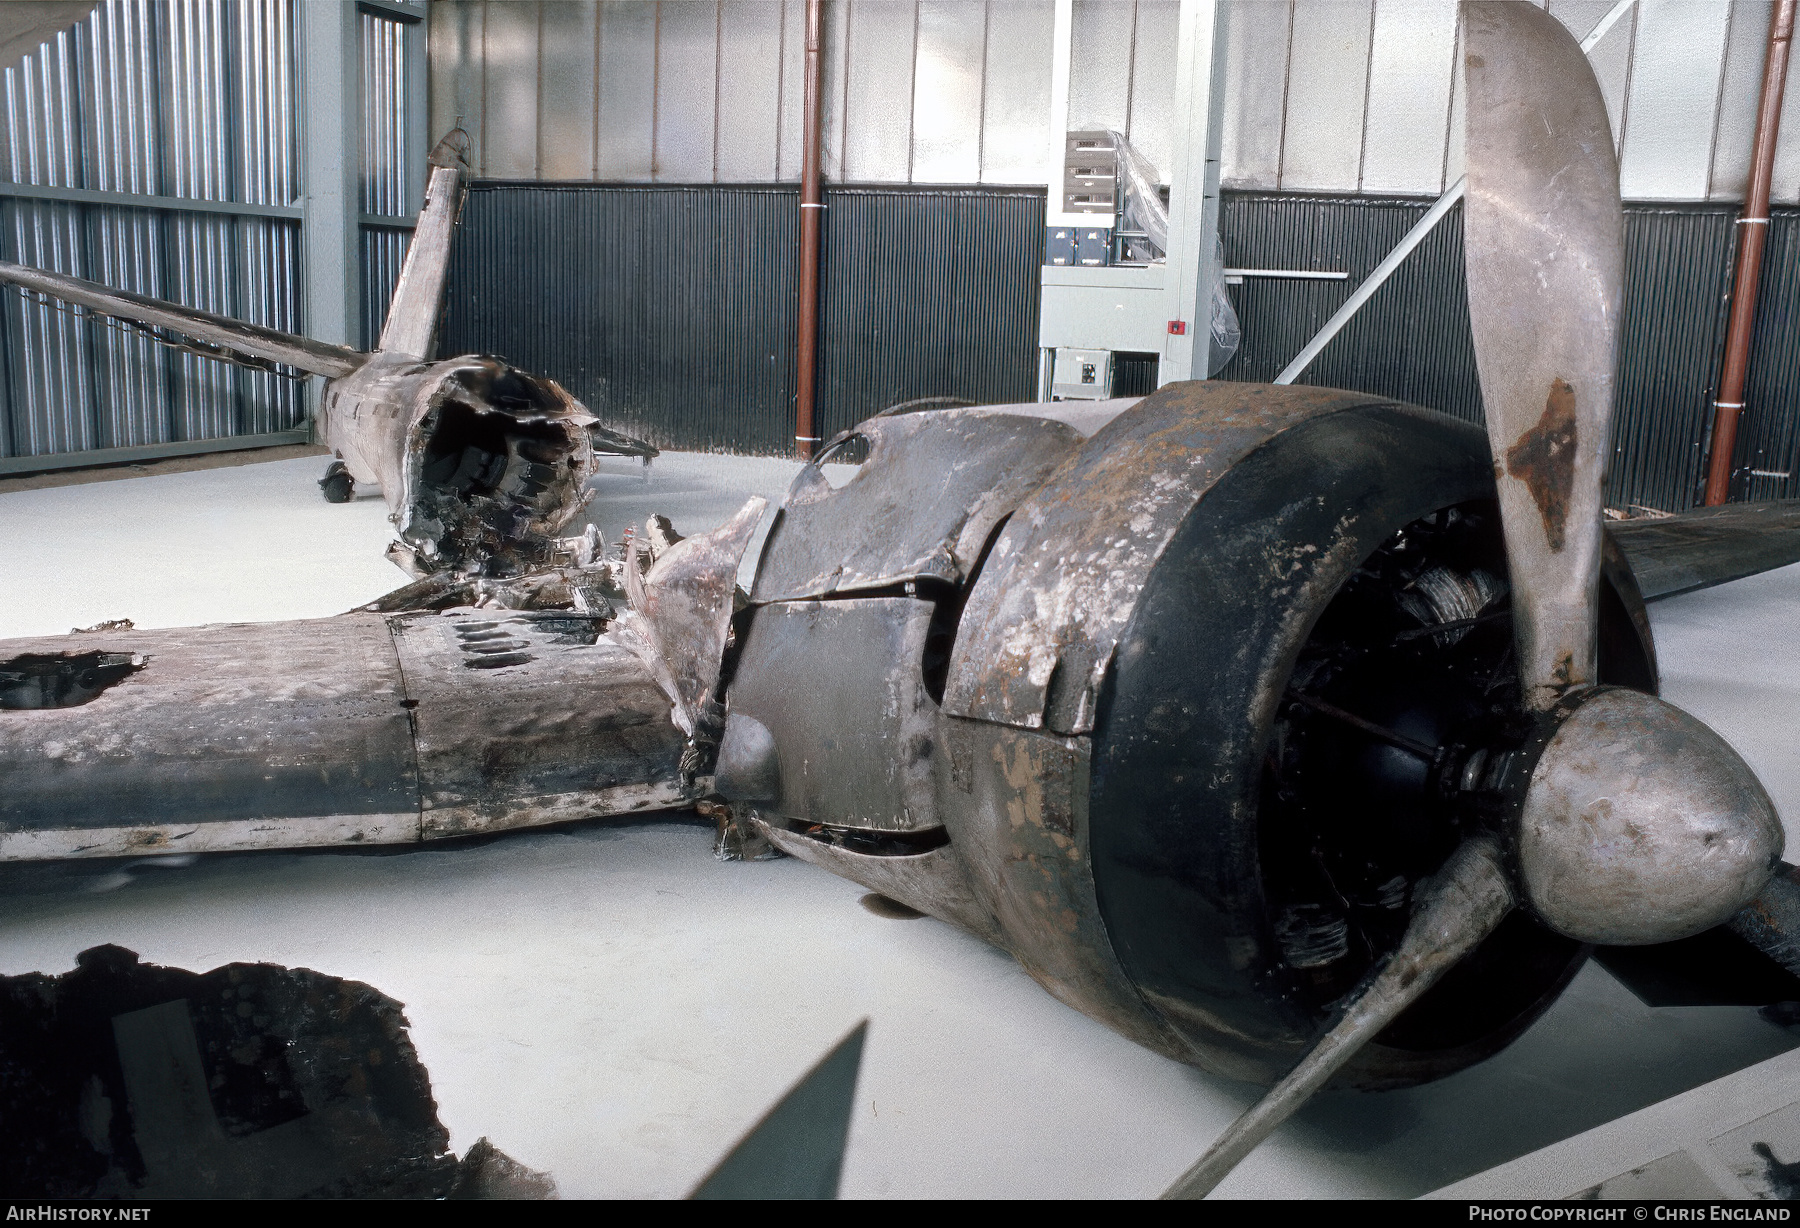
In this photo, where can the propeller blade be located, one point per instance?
(1543, 241)
(1455, 910)
(797, 1149)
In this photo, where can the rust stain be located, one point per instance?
(1544, 459)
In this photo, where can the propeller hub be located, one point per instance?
(1640, 824)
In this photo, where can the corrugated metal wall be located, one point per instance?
(670, 310)
(1412, 340)
(1320, 95)
(174, 123)
(385, 190)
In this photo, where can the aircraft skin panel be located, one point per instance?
(242, 339)
(231, 835)
(419, 295)
(1689, 551)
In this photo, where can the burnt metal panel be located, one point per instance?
(670, 311)
(1064, 580)
(840, 686)
(530, 718)
(934, 487)
(1697, 549)
(222, 725)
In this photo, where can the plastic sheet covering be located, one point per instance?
(1145, 212)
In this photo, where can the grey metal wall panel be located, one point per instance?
(509, 116)
(834, 86)
(880, 51)
(1673, 101)
(749, 84)
(947, 122)
(1734, 129)
(627, 71)
(1328, 72)
(670, 310)
(174, 99)
(1453, 130)
(1015, 102)
(1256, 36)
(1100, 40)
(567, 89)
(1412, 61)
(687, 91)
(458, 66)
(1786, 186)
(791, 19)
(1320, 95)
(1611, 58)
(1151, 122)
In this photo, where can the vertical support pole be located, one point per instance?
(331, 162)
(812, 208)
(1056, 141)
(1753, 231)
(1194, 192)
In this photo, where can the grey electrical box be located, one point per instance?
(1059, 245)
(1093, 246)
(1090, 175)
(1081, 375)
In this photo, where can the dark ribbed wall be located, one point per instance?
(1411, 340)
(670, 311)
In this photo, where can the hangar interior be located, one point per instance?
(728, 234)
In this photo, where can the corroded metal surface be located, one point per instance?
(248, 735)
(481, 464)
(1771, 922)
(1642, 825)
(1016, 806)
(1456, 910)
(838, 684)
(532, 717)
(1544, 237)
(922, 505)
(1063, 580)
(934, 882)
(413, 312)
(239, 339)
(1711, 545)
(130, 1080)
(682, 611)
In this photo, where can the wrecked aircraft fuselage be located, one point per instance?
(482, 464)
(985, 678)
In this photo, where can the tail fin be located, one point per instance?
(227, 339)
(419, 295)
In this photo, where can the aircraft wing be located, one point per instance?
(1709, 545)
(233, 340)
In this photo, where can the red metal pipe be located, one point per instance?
(812, 206)
(1754, 233)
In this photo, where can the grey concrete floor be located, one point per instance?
(610, 1004)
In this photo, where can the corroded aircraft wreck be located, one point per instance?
(482, 464)
(1297, 734)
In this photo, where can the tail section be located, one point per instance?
(419, 296)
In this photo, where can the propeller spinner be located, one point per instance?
(1629, 821)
